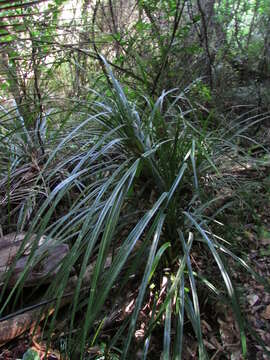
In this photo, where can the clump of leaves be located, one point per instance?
(161, 148)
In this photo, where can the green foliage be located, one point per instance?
(161, 147)
(123, 171)
(31, 355)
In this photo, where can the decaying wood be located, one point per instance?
(10, 245)
(12, 328)
(45, 262)
(17, 325)
(43, 267)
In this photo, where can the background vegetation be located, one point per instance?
(128, 131)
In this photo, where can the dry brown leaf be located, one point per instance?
(266, 313)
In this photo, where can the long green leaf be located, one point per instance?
(227, 281)
(144, 283)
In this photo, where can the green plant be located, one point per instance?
(31, 355)
(117, 160)
(135, 178)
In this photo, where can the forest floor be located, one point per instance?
(249, 228)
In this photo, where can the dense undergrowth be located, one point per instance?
(138, 163)
(133, 186)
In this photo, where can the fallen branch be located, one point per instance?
(17, 323)
(44, 264)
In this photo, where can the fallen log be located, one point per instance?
(16, 324)
(44, 264)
